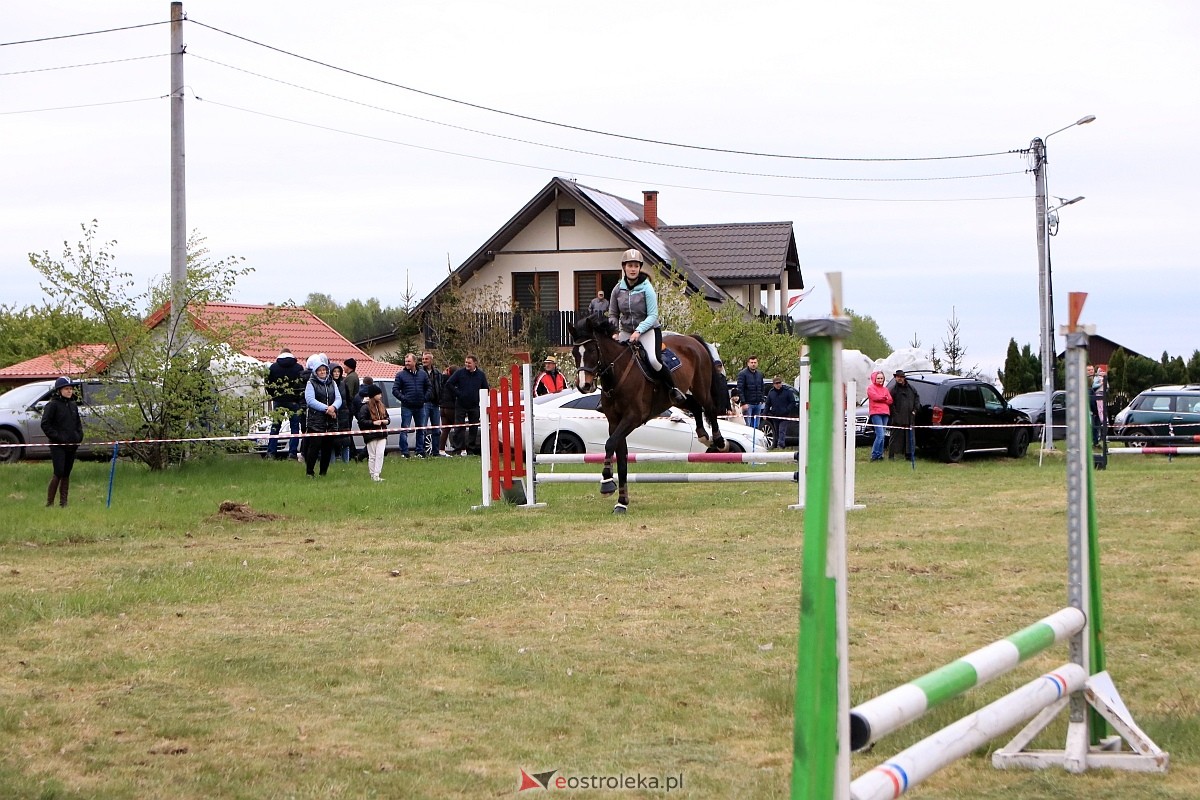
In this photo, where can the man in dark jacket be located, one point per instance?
(285, 387)
(64, 431)
(783, 408)
(750, 387)
(411, 388)
(905, 402)
(465, 385)
(433, 406)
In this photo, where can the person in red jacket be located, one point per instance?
(879, 406)
(551, 381)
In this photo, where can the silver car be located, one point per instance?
(21, 417)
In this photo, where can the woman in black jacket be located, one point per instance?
(64, 430)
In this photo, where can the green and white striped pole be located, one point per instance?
(821, 739)
(874, 719)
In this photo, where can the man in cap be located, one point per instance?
(905, 403)
(551, 381)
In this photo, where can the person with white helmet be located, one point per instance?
(633, 310)
(323, 400)
(64, 431)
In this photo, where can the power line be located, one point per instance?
(518, 140)
(78, 66)
(596, 175)
(581, 129)
(83, 105)
(85, 33)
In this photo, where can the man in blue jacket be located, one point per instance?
(750, 387)
(465, 385)
(411, 388)
(783, 407)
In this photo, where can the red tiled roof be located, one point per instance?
(78, 359)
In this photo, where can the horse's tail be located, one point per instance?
(720, 394)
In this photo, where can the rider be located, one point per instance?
(633, 309)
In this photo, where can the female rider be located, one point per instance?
(633, 309)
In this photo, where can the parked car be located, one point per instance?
(1160, 413)
(21, 417)
(571, 422)
(959, 415)
(1034, 404)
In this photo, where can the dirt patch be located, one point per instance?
(241, 512)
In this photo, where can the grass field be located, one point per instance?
(382, 640)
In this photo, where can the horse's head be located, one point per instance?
(585, 334)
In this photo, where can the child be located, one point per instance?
(373, 422)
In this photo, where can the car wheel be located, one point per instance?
(954, 447)
(564, 443)
(768, 429)
(1020, 444)
(733, 447)
(10, 455)
(1142, 440)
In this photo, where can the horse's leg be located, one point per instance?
(622, 477)
(607, 484)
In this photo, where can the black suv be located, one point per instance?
(958, 415)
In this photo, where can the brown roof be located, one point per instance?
(78, 359)
(731, 253)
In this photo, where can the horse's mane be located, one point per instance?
(592, 326)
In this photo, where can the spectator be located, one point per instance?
(905, 403)
(373, 421)
(784, 408)
(750, 387)
(551, 381)
(322, 400)
(64, 431)
(433, 406)
(341, 444)
(411, 388)
(465, 385)
(599, 304)
(353, 384)
(285, 388)
(447, 403)
(879, 405)
(735, 407)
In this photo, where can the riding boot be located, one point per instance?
(51, 491)
(668, 380)
(63, 488)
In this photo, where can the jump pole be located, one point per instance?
(959, 739)
(874, 719)
(821, 734)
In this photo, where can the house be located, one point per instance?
(259, 343)
(564, 246)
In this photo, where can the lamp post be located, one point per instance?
(1037, 149)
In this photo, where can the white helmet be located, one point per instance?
(631, 255)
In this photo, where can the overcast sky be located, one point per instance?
(354, 186)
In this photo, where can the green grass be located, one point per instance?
(383, 640)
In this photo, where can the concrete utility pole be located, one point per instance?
(1037, 150)
(178, 174)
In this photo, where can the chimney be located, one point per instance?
(650, 207)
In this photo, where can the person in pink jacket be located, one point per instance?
(879, 407)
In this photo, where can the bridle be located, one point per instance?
(600, 369)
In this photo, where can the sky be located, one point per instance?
(359, 149)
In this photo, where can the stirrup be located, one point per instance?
(677, 395)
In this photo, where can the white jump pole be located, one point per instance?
(676, 477)
(908, 768)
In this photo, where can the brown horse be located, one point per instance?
(631, 397)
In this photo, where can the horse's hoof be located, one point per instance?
(722, 445)
(620, 508)
(608, 486)
(704, 440)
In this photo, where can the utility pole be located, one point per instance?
(1037, 149)
(178, 174)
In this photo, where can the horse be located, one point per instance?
(632, 396)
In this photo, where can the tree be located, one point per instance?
(359, 319)
(1193, 367)
(1175, 371)
(1118, 379)
(174, 383)
(1013, 374)
(953, 347)
(866, 337)
(478, 321)
(36, 330)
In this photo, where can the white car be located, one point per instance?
(571, 422)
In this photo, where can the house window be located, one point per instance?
(566, 218)
(535, 291)
(588, 283)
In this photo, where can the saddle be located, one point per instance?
(669, 360)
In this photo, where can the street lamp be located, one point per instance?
(1037, 149)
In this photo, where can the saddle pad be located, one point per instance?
(670, 360)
